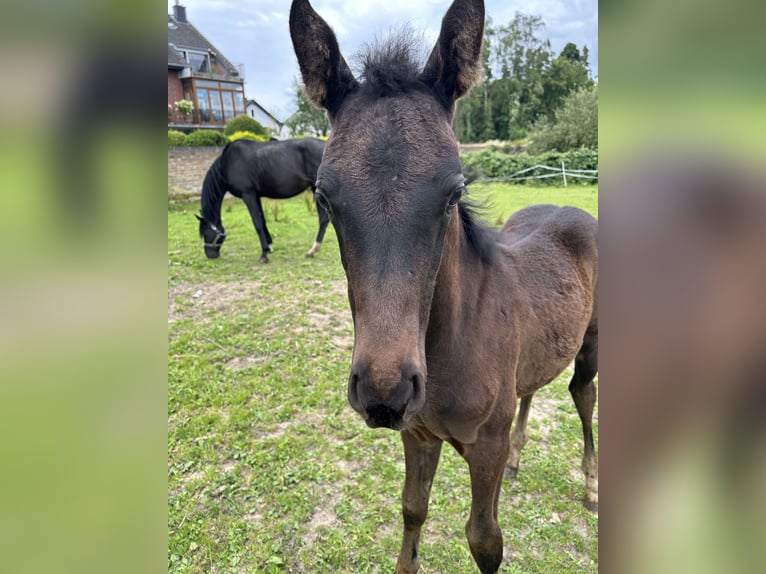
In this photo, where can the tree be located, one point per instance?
(567, 73)
(307, 119)
(574, 126)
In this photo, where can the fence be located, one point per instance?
(561, 172)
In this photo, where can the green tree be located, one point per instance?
(567, 73)
(307, 119)
(574, 126)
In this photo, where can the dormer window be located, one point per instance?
(199, 61)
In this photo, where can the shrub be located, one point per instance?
(248, 136)
(576, 124)
(175, 138)
(491, 162)
(244, 123)
(205, 138)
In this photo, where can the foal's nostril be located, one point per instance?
(353, 390)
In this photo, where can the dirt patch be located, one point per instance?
(196, 300)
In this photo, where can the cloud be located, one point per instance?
(256, 33)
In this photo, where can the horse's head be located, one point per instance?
(213, 235)
(390, 179)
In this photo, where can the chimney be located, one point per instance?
(179, 12)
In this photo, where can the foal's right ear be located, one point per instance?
(325, 73)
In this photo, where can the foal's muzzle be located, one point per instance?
(386, 403)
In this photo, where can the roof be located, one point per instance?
(264, 110)
(175, 58)
(183, 35)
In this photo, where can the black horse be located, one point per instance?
(251, 170)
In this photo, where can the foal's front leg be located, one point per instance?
(486, 460)
(420, 459)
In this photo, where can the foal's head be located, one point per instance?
(390, 179)
(213, 235)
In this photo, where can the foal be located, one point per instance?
(453, 322)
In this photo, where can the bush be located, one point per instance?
(248, 136)
(244, 123)
(576, 124)
(491, 162)
(175, 138)
(205, 138)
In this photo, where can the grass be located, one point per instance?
(269, 469)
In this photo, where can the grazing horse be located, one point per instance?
(251, 170)
(453, 322)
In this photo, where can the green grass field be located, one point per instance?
(269, 469)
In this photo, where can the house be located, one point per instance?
(198, 72)
(266, 119)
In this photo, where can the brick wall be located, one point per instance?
(187, 167)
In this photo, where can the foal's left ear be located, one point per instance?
(198, 217)
(325, 73)
(454, 65)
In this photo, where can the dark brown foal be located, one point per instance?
(452, 321)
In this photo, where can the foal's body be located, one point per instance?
(495, 334)
(453, 322)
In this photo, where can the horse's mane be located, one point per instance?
(392, 65)
(481, 237)
(213, 190)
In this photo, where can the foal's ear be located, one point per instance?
(325, 73)
(454, 65)
(198, 217)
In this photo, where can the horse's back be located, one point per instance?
(570, 227)
(273, 169)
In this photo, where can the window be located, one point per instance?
(228, 106)
(218, 102)
(204, 105)
(199, 61)
(239, 103)
(215, 105)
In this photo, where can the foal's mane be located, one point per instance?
(481, 237)
(391, 65)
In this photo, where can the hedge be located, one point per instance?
(248, 136)
(491, 162)
(175, 138)
(244, 123)
(205, 138)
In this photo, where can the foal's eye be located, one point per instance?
(455, 197)
(322, 201)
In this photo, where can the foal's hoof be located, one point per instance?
(591, 503)
(263, 259)
(310, 254)
(511, 472)
(271, 249)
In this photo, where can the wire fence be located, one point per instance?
(561, 172)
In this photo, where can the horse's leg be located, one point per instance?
(486, 462)
(583, 392)
(420, 459)
(324, 219)
(518, 436)
(269, 240)
(253, 202)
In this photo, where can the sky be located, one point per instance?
(256, 32)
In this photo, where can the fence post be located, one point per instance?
(563, 172)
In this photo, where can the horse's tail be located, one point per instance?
(214, 188)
